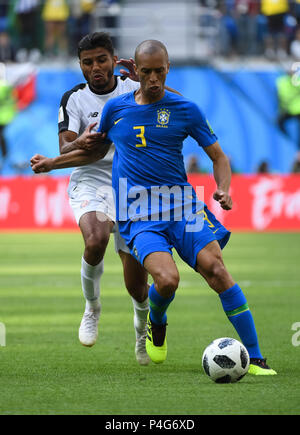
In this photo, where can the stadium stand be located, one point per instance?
(239, 99)
(240, 105)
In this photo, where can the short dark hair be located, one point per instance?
(94, 40)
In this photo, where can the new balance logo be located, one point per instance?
(93, 114)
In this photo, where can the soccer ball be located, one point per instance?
(225, 360)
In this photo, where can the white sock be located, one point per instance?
(141, 311)
(90, 281)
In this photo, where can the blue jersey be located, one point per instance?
(149, 140)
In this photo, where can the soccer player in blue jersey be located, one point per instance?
(157, 209)
(148, 127)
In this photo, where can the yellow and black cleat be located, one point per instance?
(259, 367)
(156, 341)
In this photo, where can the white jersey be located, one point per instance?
(81, 107)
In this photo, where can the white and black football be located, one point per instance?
(225, 360)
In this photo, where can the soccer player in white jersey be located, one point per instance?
(90, 187)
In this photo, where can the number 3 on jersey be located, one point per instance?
(141, 136)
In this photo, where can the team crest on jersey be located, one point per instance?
(163, 117)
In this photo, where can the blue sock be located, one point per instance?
(237, 310)
(158, 306)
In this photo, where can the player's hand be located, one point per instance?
(89, 140)
(41, 164)
(129, 64)
(224, 199)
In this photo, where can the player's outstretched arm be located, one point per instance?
(172, 90)
(41, 164)
(88, 140)
(222, 174)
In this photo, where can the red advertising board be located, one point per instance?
(38, 202)
(261, 203)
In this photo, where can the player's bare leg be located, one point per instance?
(210, 265)
(164, 272)
(96, 233)
(166, 278)
(135, 278)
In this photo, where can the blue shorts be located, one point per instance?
(162, 236)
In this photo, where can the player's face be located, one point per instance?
(152, 70)
(97, 66)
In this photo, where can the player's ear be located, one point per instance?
(115, 59)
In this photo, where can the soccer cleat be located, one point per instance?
(88, 330)
(156, 341)
(259, 367)
(140, 351)
(140, 346)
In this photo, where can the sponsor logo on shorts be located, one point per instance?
(84, 203)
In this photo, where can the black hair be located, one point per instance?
(94, 40)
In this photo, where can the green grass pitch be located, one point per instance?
(44, 369)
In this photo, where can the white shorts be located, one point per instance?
(84, 199)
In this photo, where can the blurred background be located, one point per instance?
(239, 60)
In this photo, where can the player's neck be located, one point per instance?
(143, 98)
(107, 89)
